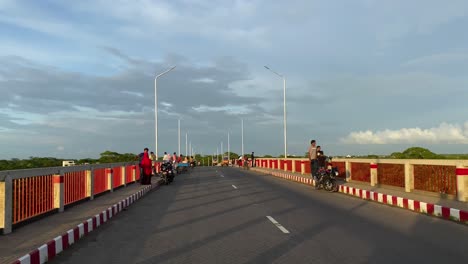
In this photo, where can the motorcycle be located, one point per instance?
(327, 177)
(167, 173)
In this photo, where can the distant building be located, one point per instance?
(67, 163)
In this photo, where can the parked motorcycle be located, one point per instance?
(167, 173)
(327, 177)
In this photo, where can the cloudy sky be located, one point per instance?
(363, 76)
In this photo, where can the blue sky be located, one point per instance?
(363, 76)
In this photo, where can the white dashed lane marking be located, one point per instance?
(278, 225)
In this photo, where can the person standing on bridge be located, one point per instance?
(140, 158)
(253, 159)
(146, 166)
(313, 161)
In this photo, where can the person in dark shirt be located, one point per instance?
(321, 158)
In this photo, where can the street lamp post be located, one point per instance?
(178, 153)
(242, 138)
(156, 108)
(284, 110)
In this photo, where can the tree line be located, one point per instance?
(113, 157)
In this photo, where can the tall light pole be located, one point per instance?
(242, 138)
(190, 148)
(284, 110)
(178, 153)
(186, 144)
(229, 151)
(156, 108)
(222, 153)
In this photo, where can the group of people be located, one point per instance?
(147, 162)
(177, 159)
(317, 160)
(244, 160)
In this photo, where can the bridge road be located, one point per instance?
(215, 215)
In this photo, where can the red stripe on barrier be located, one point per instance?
(94, 223)
(417, 206)
(405, 203)
(461, 171)
(463, 216)
(360, 193)
(446, 212)
(394, 200)
(58, 179)
(384, 198)
(76, 234)
(65, 243)
(34, 255)
(101, 218)
(85, 227)
(376, 196)
(51, 250)
(430, 208)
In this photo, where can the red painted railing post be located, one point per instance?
(59, 191)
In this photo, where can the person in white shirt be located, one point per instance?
(166, 157)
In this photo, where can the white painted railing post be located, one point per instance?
(462, 183)
(90, 183)
(110, 179)
(6, 205)
(59, 191)
(124, 179)
(409, 176)
(373, 174)
(348, 170)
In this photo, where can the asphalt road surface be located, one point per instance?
(226, 215)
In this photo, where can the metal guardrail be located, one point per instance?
(445, 177)
(25, 173)
(27, 193)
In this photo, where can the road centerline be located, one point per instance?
(280, 227)
(233, 186)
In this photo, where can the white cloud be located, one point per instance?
(132, 93)
(228, 109)
(445, 133)
(204, 80)
(166, 104)
(437, 59)
(60, 148)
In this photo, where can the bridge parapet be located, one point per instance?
(443, 177)
(30, 193)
